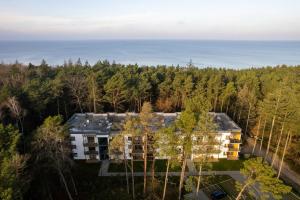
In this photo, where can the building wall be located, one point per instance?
(79, 147)
(223, 137)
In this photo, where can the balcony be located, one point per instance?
(233, 148)
(236, 141)
(137, 151)
(90, 144)
(91, 152)
(232, 157)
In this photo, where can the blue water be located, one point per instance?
(233, 54)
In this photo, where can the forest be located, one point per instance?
(264, 102)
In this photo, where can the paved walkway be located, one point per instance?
(230, 173)
(104, 168)
(191, 166)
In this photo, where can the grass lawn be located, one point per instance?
(228, 165)
(91, 186)
(160, 166)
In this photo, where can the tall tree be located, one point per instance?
(52, 150)
(94, 94)
(227, 95)
(166, 142)
(17, 111)
(259, 174)
(115, 91)
(12, 164)
(117, 148)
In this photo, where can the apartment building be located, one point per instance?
(91, 133)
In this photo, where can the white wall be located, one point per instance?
(79, 146)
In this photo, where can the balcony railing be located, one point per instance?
(92, 152)
(232, 157)
(136, 151)
(230, 148)
(233, 140)
(90, 144)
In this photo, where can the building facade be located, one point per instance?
(91, 133)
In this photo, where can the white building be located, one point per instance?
(90, 135)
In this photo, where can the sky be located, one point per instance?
(149, 19)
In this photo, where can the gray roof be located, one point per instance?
(224, 122)
(107, 123)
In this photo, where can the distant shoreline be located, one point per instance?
(236, 54)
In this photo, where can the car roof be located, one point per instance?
(218, 193)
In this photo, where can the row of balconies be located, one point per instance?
(90, 144)
(91, 152)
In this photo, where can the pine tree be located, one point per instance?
(260, 174)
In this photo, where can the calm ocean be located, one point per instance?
(233, 54)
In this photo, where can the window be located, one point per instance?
(90, 139)
(73, 146)
(92, 148)
(72, 138)
(102, 141)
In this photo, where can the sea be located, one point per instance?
(200, 53)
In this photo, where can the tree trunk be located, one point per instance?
(272, 126)
(79, 104)
(57, 102)
(74, 185)
(248, 116)
(279, 141)
(240, 113)
(288, 138)
(94, 99)
(262, 137)
(215, 103)
(227, 106)
(145, 162)
(241, 192)
(270, 136)
(22, 134)
(222, 105)
(152, 174)
(132, 179)
(199, 179)
(182, 177)
(166, 179)
(65, 184)
(66, 111)
(234, 113)
(256, 137)
(125, 165)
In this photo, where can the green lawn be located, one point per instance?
(228, 165)
(91, 186)
(160, 166)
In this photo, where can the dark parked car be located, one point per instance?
(218, 195)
